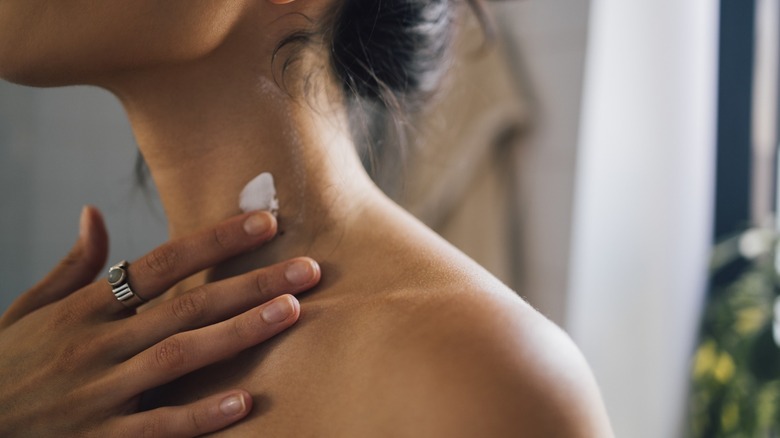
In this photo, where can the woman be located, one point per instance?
(404, 336)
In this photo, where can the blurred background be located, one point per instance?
(613, 161)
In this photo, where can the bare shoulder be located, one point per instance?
(481, 362)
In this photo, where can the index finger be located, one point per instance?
(156, 272)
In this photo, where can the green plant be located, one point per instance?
(736, 367)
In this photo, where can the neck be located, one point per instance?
(207, 128)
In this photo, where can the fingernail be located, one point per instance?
(83, 223)
(256, 224)
(232, 405)
(278, 310)
(299, 272)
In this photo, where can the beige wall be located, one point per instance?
(548, 39)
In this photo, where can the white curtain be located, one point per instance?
(643, 209)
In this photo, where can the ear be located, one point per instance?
(281, 2)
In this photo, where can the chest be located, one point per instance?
(313, 380)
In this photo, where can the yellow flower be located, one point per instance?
(724, 368)
(705, 358)
(749, 320)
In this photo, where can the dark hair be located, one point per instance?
(390, 56)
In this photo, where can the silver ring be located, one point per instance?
(117, 278)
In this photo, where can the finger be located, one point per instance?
(215, 302)
(189, 351)
(76, 270)
(170, 263)
(203, 416)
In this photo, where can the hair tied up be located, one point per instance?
(392, 52)
(390, 57)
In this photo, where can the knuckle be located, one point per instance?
(190, 307)
(222, 238)
(162, 260)
(241, 329)
(152, 427)
(170, 354)
(67, 313)
(198, 419)
(263, 284)
(72, 356)
(106, 343)
(93, 433)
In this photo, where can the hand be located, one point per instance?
(74, 360)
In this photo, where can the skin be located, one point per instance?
(76, 362)
(404, 336)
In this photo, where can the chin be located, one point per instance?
(60, 66)
(48, 43)
(36, 74)
(21, 64)
(17, 72)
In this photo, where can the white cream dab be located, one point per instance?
(259, 194)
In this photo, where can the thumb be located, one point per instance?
(93, 239)
(76, 270)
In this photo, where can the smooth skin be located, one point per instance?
(76, 361)
(404, 336)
